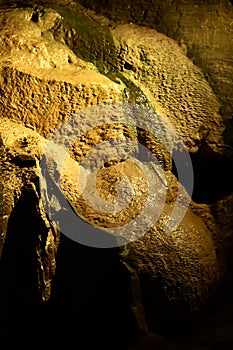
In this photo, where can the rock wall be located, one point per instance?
(202, 29)
(59, 59)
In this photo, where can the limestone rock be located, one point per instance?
(203, 30)
(176, 276)
(31, 266)
(42, 81)
(188, 103)
(140, 58)
(156, 256)
(179, 88)
(20, 188)
(179, 271)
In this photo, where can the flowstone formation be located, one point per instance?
(59, 60)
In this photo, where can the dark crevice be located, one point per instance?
(91, 294)
(19, 295)
(213, 174)
(129, 66)
(24, 161)
(37, 14)
(91, 298)
(35, 17)
(18, 262)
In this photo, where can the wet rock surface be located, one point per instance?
(59, 59)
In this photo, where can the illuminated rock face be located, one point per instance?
(201, 28)
(62, 59)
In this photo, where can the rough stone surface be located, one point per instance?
(180, 271)
(140, 59)
(42, 81)
(154, 256)
(60, 59)
(202, 29)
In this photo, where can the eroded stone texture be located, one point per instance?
(155, 71)
(181, 89)
(42, 83)
(203, 30)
